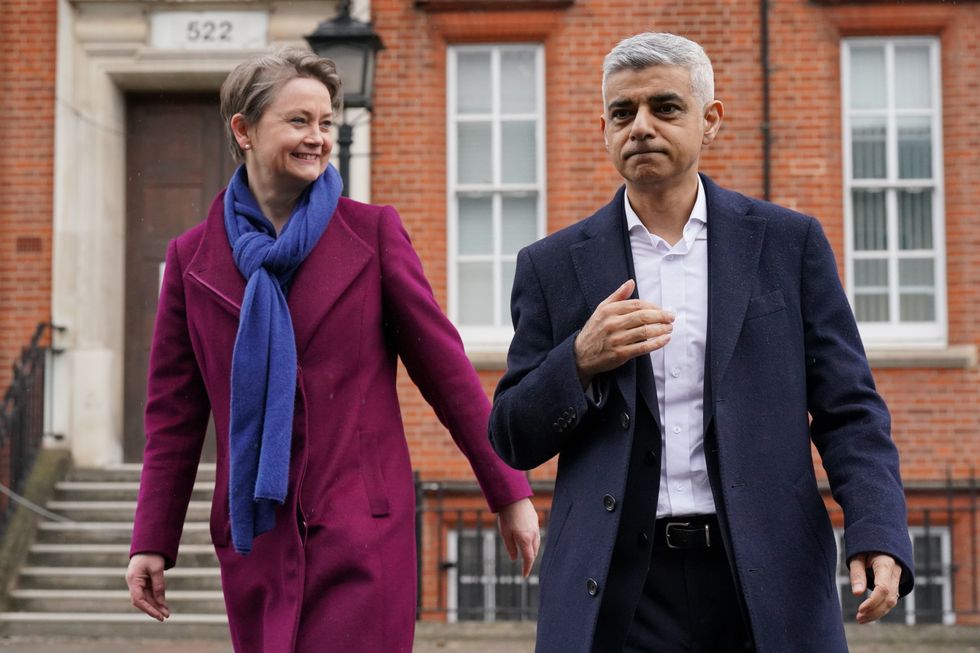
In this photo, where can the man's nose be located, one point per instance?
(644, 125)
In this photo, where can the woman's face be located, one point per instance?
(290, 144)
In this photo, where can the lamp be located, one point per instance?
(352, 45)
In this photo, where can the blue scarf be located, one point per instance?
(263, 366)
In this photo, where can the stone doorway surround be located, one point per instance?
(104, 52)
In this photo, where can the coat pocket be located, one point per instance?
(371, 474)
(765, 304)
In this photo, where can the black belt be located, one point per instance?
(688, 533)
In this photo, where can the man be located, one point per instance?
(670, 348)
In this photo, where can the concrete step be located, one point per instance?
(116, 491)
(113, 578)
(60, 600)
(117, 510)
(129, 472)
(50, 532)
(116, 625)
(109, 555)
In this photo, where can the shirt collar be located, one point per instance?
(697, 219)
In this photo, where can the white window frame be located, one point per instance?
(488, 578)
(945, 579)
(894, 333)
(490, 338)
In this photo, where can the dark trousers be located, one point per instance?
(689, 603)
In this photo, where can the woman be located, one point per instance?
(284, 315)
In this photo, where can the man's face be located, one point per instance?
(654, 126)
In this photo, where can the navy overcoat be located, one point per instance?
(784, 367)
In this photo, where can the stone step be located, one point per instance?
(109, 555)
(116, 491)
(129, 472)
(117, 510)
(121, 532)
(113, 578)
(113, 601)
(116, 625)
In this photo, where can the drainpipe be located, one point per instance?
(766, 130)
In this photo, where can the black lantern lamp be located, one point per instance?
(352, 45)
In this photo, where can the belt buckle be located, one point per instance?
(668, 527)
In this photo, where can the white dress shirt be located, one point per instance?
(676, 278)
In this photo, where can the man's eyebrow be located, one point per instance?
(619, 104)
(665, 97)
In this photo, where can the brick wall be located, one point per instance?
(28, 32)
(936, 423)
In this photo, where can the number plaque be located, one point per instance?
(208, 30)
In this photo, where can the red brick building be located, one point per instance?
(485, 136)
(486, 110)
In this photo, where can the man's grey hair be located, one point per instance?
(662, 49)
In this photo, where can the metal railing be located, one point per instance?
(465, 574)
(22, 417)
(464, 571)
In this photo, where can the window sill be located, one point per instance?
(488, 357)
(951, 357)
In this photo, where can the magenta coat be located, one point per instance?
(338, 572)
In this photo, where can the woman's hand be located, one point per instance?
(146, 585)
(519, 527)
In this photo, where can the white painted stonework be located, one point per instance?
(104, 51)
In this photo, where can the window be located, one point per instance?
(484, 585)
(496, 202)
(932, 599)
(893, 201)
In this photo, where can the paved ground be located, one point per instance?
(514, 638)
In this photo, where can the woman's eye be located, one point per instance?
(297, 120)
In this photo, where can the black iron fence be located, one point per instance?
(465, 573)
(22, 417)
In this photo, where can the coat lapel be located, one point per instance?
(734, 245)
(213, 267)
(332, 266)
(603, 262)
(328, 270)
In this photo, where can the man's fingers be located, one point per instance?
(887, 574)
(858, 575)
(621, 293)
(877, 605)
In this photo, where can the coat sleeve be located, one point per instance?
(539, 404)
(850, 425)
(176, 419)
(433, 354)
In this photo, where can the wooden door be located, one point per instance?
(176, 161)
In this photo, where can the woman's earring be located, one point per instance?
(247, 146)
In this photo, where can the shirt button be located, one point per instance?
(677, 429)
(624, 420)
(676, 372)
(679, 488)
(609, 502)
(592, 586)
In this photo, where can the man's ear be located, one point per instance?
(602, 128)
(714, 112)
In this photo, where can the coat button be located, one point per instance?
(650, 457)
(609, 502)
(644, 538)
(592, 586)
(624, 420)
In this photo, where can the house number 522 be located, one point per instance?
(208, 31)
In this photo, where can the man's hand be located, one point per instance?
(146, 585)
(884, 597)
(519, 528)
(620, 329)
